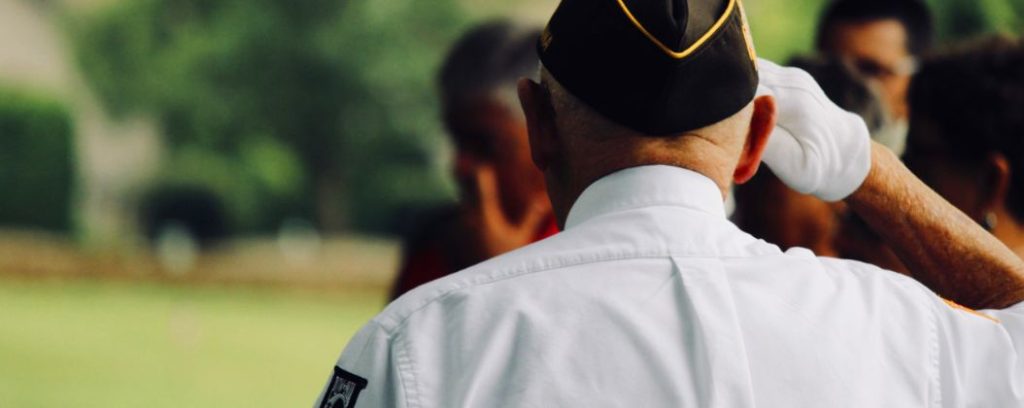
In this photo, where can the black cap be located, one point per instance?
(660, 67)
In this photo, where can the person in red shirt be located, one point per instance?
(503, 203)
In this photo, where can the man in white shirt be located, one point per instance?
(646, 113)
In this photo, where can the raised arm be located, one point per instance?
(820, 149)
(943, 247)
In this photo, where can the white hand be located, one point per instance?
(817, 148)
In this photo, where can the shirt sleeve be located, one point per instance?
(366, 375)
(981, 356)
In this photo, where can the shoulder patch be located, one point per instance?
(343, 390)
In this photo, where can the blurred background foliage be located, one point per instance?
(965, 18)
(320, 110)
(316, 109)
(36, 162)
(784, 28)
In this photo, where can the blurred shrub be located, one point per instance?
(197, 210)
(36, 162)
(255, 189)
(783, 28)
(965, 18)
(344, 87)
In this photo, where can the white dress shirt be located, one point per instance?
(652, 298)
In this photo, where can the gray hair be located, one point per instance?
(488, 61)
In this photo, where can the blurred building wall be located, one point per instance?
(114, 158)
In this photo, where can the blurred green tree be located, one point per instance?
(965, 18)
(343, 89)
(36, 162)
(959, 19)
(783, 28)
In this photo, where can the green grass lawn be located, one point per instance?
(103, 344)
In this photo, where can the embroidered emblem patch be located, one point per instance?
(746, 33)
(343, 390)
(546, 39)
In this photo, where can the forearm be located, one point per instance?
(944, 248)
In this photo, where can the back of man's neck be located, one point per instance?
(689, 152)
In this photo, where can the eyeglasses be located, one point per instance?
(873, 69)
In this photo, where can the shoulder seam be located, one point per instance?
(406, 368)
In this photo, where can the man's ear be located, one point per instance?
(540, 122)
(761, 125)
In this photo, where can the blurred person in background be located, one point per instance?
(967, 132)
(768, 209)
(882, 40)
(869, 51)
(503, 204)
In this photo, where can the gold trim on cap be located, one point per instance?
(749, 39)
(546, 38)
(700, 41)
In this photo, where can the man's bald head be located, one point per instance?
(575, 145)
(645, 82)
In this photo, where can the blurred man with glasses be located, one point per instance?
(882, 41)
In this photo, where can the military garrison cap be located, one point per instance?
(660, 67)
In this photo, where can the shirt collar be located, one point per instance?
(647, 186)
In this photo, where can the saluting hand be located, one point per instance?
(817, 147)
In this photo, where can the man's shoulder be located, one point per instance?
(867, 283)
(497, 282)
(799, 274)
(480, 280)
(838, 268)
(864, 271)
(500, 280)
